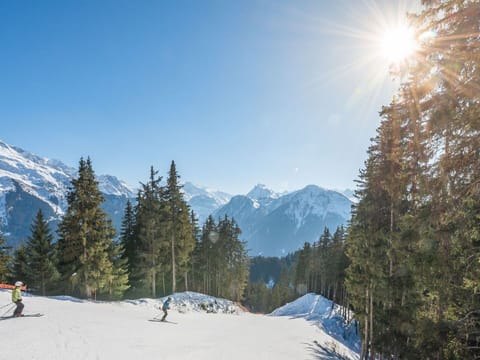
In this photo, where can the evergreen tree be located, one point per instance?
(127, 236)
(41, 256)
(221, 261)
(20, 271)
(195, 278)
(85, 237)
(233, 270)
(150, 233)
(178, 225)
(205, 255)
(118, 281)
(413, 239)
(5, 260)
(303, 269)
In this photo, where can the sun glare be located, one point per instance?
(397, 44)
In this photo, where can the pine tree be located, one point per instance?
(20, 271)
(118, 282)
(233, 266)
(206, 256)
(41, 256)
(127, 236)
(5, 260)
(195, 265)
(179, 228)
(150, 234)
(417, 213)
(85, 237)
(303, 269)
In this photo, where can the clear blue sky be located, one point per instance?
(283, 93)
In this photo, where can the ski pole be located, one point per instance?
(1, 307)
(8, 310)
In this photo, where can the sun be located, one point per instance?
(397, 44)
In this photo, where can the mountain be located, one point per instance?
(204, 201)
(272, 223)
(275, 224)
(29, 182)
(349, 193)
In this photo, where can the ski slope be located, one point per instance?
(76, 329)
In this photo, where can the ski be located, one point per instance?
(32, 315)
(19, 317)
(165, 321)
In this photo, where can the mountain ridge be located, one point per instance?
(274, 226)
(268, 220)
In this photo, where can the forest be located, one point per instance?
(414, 237)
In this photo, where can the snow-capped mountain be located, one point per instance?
(274, 224)
(29, 182)
(204, 201)
(271, 223)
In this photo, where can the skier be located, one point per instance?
(165, 307)
(17, 299)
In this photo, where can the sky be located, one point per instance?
(77, 329)
(237, 93)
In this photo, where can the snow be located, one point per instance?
(77, 329)
(326, 315)
(43, 177)
(3, 209)
(313, 200)
(260, 191)
(111, 185)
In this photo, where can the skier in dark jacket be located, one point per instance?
(17, 299)
(165, 307)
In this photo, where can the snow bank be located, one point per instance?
(327, 316)
(189, 301)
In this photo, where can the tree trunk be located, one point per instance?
(163, 283)
(154, 285)
(364, 352)
(174, 275)
(371, 319)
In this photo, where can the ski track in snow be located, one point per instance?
(74, 329)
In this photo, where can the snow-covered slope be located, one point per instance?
(77, 330)
(275, 224)
(327, 316)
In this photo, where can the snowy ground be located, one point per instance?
(81, 330)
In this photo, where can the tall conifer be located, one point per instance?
(179, 228)
(150, 231)
(5, 259)
(85, 237)
(41, 256)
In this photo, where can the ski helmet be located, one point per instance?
(18, 283)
